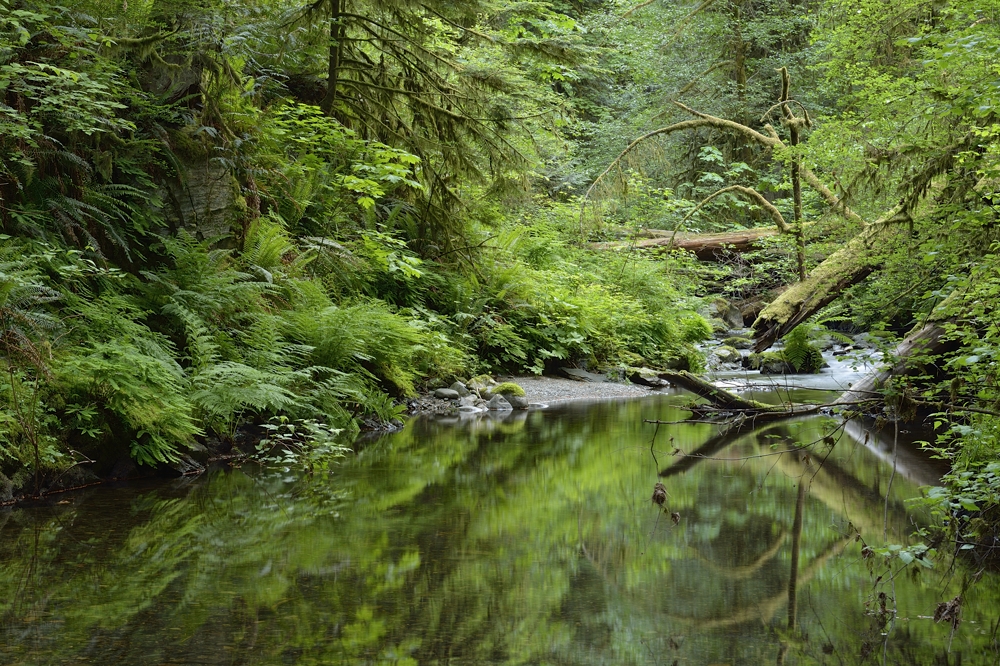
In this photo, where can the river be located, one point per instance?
(524, 539)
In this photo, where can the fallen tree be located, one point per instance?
(846, 267)
(925, 339)
(707, 247)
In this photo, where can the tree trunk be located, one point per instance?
(845, 267)
(335, 55)
(923, 339)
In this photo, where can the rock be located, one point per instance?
(205, 199)
(469, 409)
(776, 367)
(480, 382)
(678, 363)
(460, 389)
(738, 342)
(728, 313)
(517, 401)
(719, 327)
(467, 401)
(447, 394)
(727, 354)
(646, 377)
(583, 375)
(498, 404)
(123, 468)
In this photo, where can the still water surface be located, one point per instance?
(527, 539)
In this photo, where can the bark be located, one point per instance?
(718, 397)
(334, 57)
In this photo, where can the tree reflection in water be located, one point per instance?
(529, 539)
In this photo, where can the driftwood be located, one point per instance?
(724, 400)
(707, 247)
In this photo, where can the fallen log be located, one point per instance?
(707, 247)
(845, 267)
(724, 400)
(926, 338)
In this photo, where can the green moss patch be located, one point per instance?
(508, 388)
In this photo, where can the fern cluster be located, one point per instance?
(800, 353)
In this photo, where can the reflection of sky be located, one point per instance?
(523, 539)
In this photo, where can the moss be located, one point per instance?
(882, 335)
(718, 325)
(508, 388)
(728, 353)
(738, 342)
(485, 380)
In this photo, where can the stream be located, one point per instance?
(528, 538)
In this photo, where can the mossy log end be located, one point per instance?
(707, 247)
(845, 267)
(720, 398)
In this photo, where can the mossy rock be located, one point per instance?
(727, 354)
(508, 388)
(738, 342)
(718, 325)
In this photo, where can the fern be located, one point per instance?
(799, 353)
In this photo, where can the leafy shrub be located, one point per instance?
(139, 398)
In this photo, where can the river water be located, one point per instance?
(526, 539)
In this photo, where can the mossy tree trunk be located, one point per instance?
(845, 267)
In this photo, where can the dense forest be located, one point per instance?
(216, 214)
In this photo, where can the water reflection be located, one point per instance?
(524, 539)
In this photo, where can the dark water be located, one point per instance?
(528, 540)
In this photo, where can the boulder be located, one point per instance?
(727, 354)
(517, 401)
(583, 375)
(460, 389)
(447, 394)
(480, 382)
(728, 313)
(646, 377)
(738, 342)
(498, 404)
(467, 401)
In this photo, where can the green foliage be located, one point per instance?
(800, 353)
(305, 444)
(138, 397)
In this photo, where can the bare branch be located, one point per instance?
(750, 193)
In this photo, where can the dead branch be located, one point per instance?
(749, 193)
(639, 6)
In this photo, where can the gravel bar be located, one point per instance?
(549, 390)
